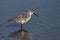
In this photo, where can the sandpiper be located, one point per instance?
(23, 18)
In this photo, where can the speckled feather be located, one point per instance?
(23, 18)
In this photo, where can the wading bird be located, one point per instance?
(23, 18)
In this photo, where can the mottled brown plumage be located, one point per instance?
(23, 18)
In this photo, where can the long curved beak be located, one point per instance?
(35, 14)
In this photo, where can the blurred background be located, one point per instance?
(44, 27)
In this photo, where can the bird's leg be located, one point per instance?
(21, 27)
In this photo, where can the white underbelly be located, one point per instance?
(27, 19)
(24, 21)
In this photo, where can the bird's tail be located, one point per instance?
(12, 20)
(9, 20)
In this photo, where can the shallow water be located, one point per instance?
(44, 27)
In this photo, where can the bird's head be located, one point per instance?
(31, 12)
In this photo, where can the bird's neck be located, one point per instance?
(30, 14)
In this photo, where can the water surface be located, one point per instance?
(44, 27)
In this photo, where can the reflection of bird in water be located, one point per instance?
(23, 18)
(23, 34)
